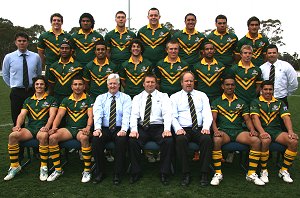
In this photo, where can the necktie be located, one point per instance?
(25, 72)
(146, 121)
(112, 115)
(272, 74)
(193, 112)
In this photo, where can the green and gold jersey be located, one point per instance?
(230, 113)
(259, 45)
(225, 46)
(209, 77)
(118, 44)
(246, 81)
(270, 113)
(97, 74)
(155, 41)
(168, 74)
(190, 45)
(38, 110)
(85, 45)
(133, 74)
(61, 75)
(51, 45)
(77, 111)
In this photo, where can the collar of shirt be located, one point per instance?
(125, 31)
(218, 34)
(109, 95)
(81, 31)
(258, 36)
(106, 62)
(83, 96)
(19, 53)
(168, 61)
(158, 27)
(131, 60)
(185, 31)
(262, 99)
(240, 64)
(35, 98)
(145, 94)
(203, 62)
(71, 60)
(224, 97)
(61, 31)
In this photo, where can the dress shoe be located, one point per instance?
(204, 180)
(164, 179)
(134, 178)
(98, 178)
(186, 179)
(116, 179)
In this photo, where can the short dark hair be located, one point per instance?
(39, 77)
(120, 12)
(190, 14)
(22, 34)
(67, 42)
(87, 15)
(266, 82)
(150, 75)
(228, 76)
(208, 42)
(100, 42)
(136, 41)
(254, 18)
(272, 46)
(57, 15)
(153, 9)
(221, 16)
(77, 77)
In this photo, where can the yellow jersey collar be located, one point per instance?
(61, 31)
(258, 36)
(149, 27)
(35, 98)
(106, 62)
(83, 96)
(240, 64)
(225, 97)
(168, 61)
(81, 31)
(125, 31)
(262, 99)
(203, 62)
(131, 60)
(71, 60)
(185, 31)
(218, 34)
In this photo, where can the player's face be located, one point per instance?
(65, 51)
(21, 43)
(78, 87)
(39, 86)
(253, 27)
(172, 50)
(136, 49)
(246, 55)
(209, 51)
(100, 52)
(190, 22)
(56, 23)
(272, 55)
(86, 23)
(153, 16)
(228, 86)
(187, 82)
(113, 86)
(149, 84)
(267, 92)
(120, 20)
(221, 25)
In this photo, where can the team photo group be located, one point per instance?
(154, 85)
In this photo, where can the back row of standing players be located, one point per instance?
(156, 49)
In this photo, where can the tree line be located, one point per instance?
(271, 28)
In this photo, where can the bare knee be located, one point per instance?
(218, 142)
(42, 137)
(14, 137)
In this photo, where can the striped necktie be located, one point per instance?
(112, 115)
(272, 74)
(146, 121)
(193, 112)
(25, 72)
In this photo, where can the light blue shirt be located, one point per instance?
(12, 68)
(181, 110)
(161, 110)
(101, 110)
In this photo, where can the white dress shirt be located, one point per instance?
(101, 110)
(285, 78)
(181, 110)
(161, 110)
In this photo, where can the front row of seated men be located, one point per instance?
(149, 116)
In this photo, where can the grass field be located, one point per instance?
(27, 183)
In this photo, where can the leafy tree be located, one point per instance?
(272, 29)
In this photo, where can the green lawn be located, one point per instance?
(234, 184)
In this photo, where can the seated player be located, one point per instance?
(79, 119)
(229, 112)
(40, 110)
(267, 113)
